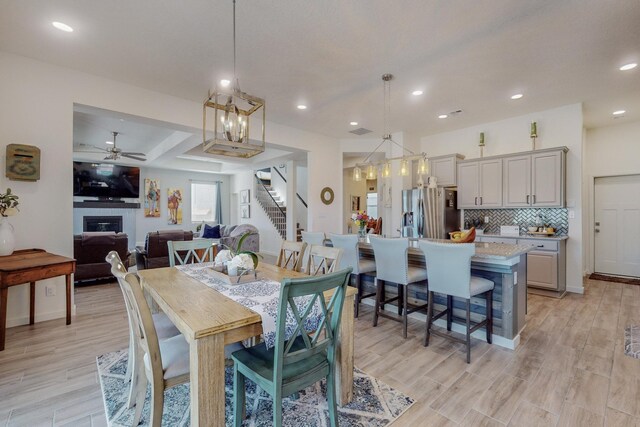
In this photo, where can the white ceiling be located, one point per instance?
(330, 55)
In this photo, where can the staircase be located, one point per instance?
(272, 204)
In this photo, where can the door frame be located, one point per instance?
(590, 223)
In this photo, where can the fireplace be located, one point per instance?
(102, 223)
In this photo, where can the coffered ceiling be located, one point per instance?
(330, 54)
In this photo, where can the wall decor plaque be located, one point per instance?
(23, 162)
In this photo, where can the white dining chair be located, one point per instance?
(449, 273)
(360, 266)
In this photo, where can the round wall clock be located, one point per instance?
(326, 195)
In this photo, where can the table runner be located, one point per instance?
(261, 296)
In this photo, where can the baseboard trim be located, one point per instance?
(576, 289)
(40, 317)
(498, 340)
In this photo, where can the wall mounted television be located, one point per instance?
(105, 180)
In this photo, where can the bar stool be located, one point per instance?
(392, 266)
(449, 272)
(351, 258)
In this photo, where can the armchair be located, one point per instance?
(155, 253)
(90, 250)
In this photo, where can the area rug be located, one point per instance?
(632, 341)
(625, 280)
(374, 403)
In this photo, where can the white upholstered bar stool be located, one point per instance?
(351, 258)
(392, 265)
(449, 272)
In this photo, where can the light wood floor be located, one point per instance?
(569, 371)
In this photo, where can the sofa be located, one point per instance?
(90, 250)
(229, 236)
(155, 253)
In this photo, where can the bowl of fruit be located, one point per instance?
(463, 236)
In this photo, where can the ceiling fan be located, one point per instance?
(113, 152)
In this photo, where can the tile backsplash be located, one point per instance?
(557, 218)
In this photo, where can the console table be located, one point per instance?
(29, 266)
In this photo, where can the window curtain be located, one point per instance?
(218, 214)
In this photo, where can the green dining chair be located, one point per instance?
(304, 359)
(190, 251)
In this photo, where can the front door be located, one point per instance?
(617, 225)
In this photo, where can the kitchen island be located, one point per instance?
(503, 264)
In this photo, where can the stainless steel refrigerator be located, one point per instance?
(429, 213)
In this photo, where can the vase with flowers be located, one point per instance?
(234, 261)
(360, 220)
(8, 207)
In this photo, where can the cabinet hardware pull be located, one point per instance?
(476, 201)
(527, 199)
(481, 200)
(540, 246)
(534, 199)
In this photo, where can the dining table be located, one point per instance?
(209, 320)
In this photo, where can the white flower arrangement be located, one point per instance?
(241, 262)
(223, 256)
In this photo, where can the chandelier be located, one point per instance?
(370, 167)
(230, 109)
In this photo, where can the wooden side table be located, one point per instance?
(29, 266)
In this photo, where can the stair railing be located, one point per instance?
(274, 211)
(285, 180)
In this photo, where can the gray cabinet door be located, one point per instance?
(444, 170)
(490, 177)
(542, 269)
(468, 185)
(517, 181)
(547, 180)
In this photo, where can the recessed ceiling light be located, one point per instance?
(443, 116)
(619, 112)
(517, 96)
(627, 67)
(353, 123)
(62, 27)
(417, 93)
(302, 107)
(109, 142)
(225, 82)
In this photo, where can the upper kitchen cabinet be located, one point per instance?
(443, 168)
(480, 184)
(536, 179)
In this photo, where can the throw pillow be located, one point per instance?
(211, 232)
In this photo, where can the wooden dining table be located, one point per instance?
(209, 320)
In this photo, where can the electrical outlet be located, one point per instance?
(572, 214)
(50, 291)
(486, 219)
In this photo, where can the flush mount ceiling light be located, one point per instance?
(225, 83)
(627, 67)
(302, 107)
(443, 116)
(231, 111)
(372, 167)
(353, 123)
(109, 142)
(62, 26)
(619, 112)
(517, 96)
(417, 93)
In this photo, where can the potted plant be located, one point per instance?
(236, 260)
(8, 206)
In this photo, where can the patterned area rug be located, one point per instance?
(374, 403)
(632, 341)
(625, 280)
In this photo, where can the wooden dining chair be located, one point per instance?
(311, 238)
(291, 255)
(190, 251)
(166, 362)
(305, 358)
(163, 326)
(323, 259)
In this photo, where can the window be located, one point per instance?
(372, 205)
(203, 201)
